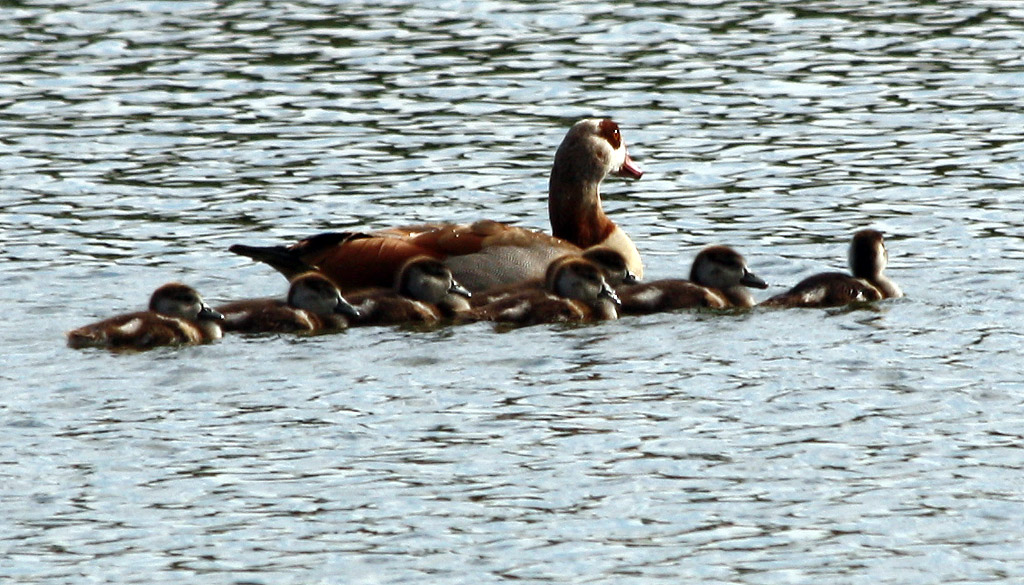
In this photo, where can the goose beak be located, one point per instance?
(345, 308)
(630, 169)
(458, 289)
(751, 279)
(206, 313)
(609, 293)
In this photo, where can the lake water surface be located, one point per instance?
(138, 140)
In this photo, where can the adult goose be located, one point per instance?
(486, 253)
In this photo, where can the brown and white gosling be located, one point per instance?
(314, 305)
(176, 315)
(616, 272)
(867, 257)
(576, 291)
(425, 292)
(718, 280)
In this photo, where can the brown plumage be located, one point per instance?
(575, 291)
(425, 292)
(313, 305)
(867, 257)
(486, 253)
(611, 262)
(176, 315)
(718, 278)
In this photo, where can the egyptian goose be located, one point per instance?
(176, 315)
(486, 253)
(424, 292)
(867, 257)
(576, 291)
(313, 305)
(718, 279)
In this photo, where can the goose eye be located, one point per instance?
(610, 132)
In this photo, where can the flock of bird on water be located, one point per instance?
(586, 270)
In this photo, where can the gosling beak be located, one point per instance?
(751, 279)
(630, 278)
(458, 289)
(206, 313)
(609, 293)
(345, 308)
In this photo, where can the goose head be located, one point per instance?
(725, 269)
(179, 300)
(429, 280)
(591, 150)
(316, 293)
(616, 271)
(579, 279)
(868, 258)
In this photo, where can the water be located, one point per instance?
(138, 140)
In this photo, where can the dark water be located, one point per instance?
(138, 140)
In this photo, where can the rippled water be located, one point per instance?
(138, 140)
